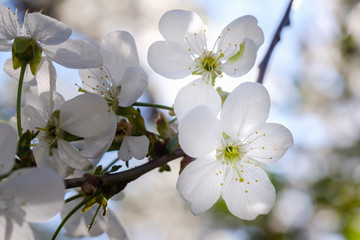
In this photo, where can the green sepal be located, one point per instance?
(34, 63)
(124, 111)
(21, 44)
(173, 144)
(26, 51)
(223, 94)
(138, 123)
(165, 168)
(163, 127)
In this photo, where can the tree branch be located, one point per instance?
(126, 176)
(264, 63)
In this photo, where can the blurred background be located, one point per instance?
(314, 83)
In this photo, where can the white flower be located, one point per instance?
(51, 35)
(86, 116)
(185, 50)
(77, 225)
(33, 194)
(228, 152)
(121, 81)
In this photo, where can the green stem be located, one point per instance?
(77, 207)
(18, 98)
(112, 163)
(93, 219)
(141, 104)
(74, 197)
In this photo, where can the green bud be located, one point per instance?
(26, 51)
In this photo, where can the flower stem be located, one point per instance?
(74, 197)
(112, 163)
(141, 104)
(74, 210)
(93, 219)
(18, 98)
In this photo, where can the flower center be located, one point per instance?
(51, 132)
(208, 65)
(231, 151)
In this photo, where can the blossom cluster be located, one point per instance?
(58, 138)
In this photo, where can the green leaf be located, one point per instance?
(165, 168)
(115, 168)
(173, 144)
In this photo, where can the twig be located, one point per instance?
(126, 176)
(284, 22)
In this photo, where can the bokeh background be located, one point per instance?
(314, 82)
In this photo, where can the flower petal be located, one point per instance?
(195, 94)
(133, 146)
(76, 54)
(119, 52)
(270, 143)
(245, 110)
(200, 183)
(91, 79)
(240, 29)
(133, 84)
(11, 230)
(40, 191)
(8, 24)
(8, 146)
(184, 28)
(115, 229)
(15, 73)
(199, 132)
(85, 115)
(241, 62)
(46, 30)
(71, 156)
(248, 198)
(170, 59)
(46, 78)
(96, 146)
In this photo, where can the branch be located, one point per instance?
(284, 22)
(126, 176)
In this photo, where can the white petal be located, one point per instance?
(41, 154)
(115, 229)
(240, 29)
(8, 24)
(8, 145)
(239, 65)
(45, 29)
(40, 191)
(71, 156)
(270, 143)
(119, 52)
(46, 77)
(133, 84)
(245, 110)
(133, 146)
(96, 146)
(33, 117)
(5, 45)
(85, 115)
(200, 183)
(251, 197)
(11, 230)
(176, 25)
(195, 94)
(170, 60)
(15, 73)
(77, 54)
(199, 132)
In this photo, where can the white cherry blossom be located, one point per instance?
(27, 195)
(185, 50)
(228, 152)
(51, 35)
(121, 81)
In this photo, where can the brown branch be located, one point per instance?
(126, 176)
(264, 63)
